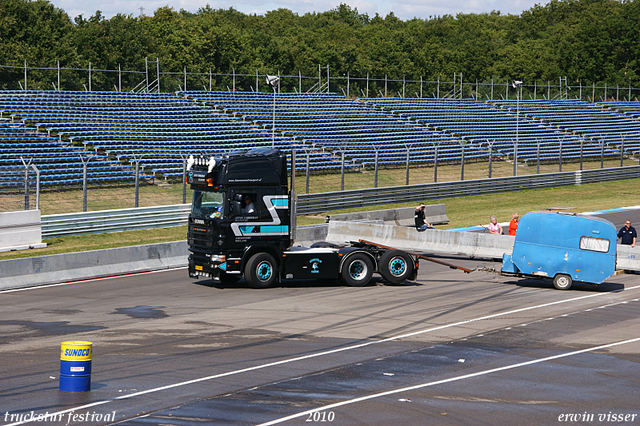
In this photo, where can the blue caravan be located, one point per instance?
(565, 247)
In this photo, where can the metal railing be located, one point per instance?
(102, 221)
(175, 215)
(322, 202)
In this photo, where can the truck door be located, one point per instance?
(259, 215)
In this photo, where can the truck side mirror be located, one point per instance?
(236, 205)
(236, 208)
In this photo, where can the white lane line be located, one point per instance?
(333, 351)
(439, 382)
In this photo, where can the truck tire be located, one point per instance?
(395, 266)
(357, 270)
(562, 281)
(261, 271)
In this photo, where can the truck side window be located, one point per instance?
(249, 206)
(244, 204)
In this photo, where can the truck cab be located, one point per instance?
(242, 225)
(240, 203)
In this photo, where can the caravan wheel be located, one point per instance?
(562, 282)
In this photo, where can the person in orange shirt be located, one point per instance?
(513, 225)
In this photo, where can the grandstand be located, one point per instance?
(59, 163)
(594, 123)
(331, 123)
(60, 130)
(497, 126)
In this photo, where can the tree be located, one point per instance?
(35, 32)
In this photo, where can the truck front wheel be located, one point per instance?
(261, 271)
(562, 282)
(395, 266)
(357, 270)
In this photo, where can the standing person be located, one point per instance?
(420, 219)
(628, 234)
(513, 225)
(494, 226)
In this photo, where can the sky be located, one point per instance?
(405, 9)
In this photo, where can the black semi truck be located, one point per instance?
(242, 225)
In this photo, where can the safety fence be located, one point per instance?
(154, 77)
(176, 215)
(322, 202)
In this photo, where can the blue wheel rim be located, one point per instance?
(357, 269)
(264, 270)
(397, 266)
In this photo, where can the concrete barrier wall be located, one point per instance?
(20, 230)
(435, 214)
(435, 241)
(53, 269)
(453, 243)
(34, 271)
(628, 258)
(42, 270)
(309, 234)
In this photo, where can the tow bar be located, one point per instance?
(419, 256)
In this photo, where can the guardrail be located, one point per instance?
(322, 202)
(114, 220)
(175, 215)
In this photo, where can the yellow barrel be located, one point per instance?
(76, 351)
(75, 366)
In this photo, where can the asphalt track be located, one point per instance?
(450, 349)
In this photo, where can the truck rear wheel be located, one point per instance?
(562, 282)
(357, 270)
(261, 271)
(395, 266)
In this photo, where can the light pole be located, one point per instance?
(84, 182)
(408, 148)
(491, 156)
(435, 161)
(517, 84)
(375, 182)
(273, 81)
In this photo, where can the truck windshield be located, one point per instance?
(208, 204)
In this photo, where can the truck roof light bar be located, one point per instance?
(209, 162)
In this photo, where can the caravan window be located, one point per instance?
(594, 244)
